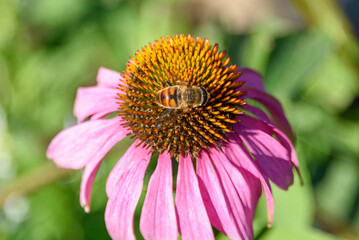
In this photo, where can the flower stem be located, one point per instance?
(32, 181)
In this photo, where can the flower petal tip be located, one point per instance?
(86, 208)
(85, 204)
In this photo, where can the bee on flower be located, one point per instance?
(180, 97)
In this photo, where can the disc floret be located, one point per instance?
(192, 62)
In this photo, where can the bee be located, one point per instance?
(180, 97)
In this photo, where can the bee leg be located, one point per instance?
(168, 83)
(166, 112)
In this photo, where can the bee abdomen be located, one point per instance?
(168, 97)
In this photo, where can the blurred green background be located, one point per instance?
(305, 50)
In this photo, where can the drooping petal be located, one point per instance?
(273, 158)
(215, 199)
(91, 168)
(242, 189)
(88, 176)
(192, 217)
(108, 78)
(274, 108)
(237, 153)
(125, 193)
(284, 140)
(272, 130)
(97, 101)
(74, 147)
(158, 217)
(251, 78)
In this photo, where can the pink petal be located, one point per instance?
(237, 153)
(108, 78)
(158, 218)
(274, 108)
(133, 152)
(214, 199)
(242, 190)
(98, 101)
(251, 78)
(125, 192)
(76, 146)
(273, 158)
(257, 112)
(91, 168)
(192, 217)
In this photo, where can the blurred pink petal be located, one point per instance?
(91, 168)
(214, 199)
(251, 78)
(108, 78)
(242, 191)
(76, 146)
(272, 157)
(274, 108)
(98, 101)
(158, 217)
(125, 192)
(193, 220)
(237, 153)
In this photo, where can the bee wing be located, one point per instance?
(167, 114)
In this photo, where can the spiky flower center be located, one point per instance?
(184, 65)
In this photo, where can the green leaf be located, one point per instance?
(8, 22)
(258, 49)
(333, 87)
(294, 60)
(54, 13)
(333, 194)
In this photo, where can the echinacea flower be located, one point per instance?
(236, 147)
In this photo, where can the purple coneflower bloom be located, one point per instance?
(226, 149)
